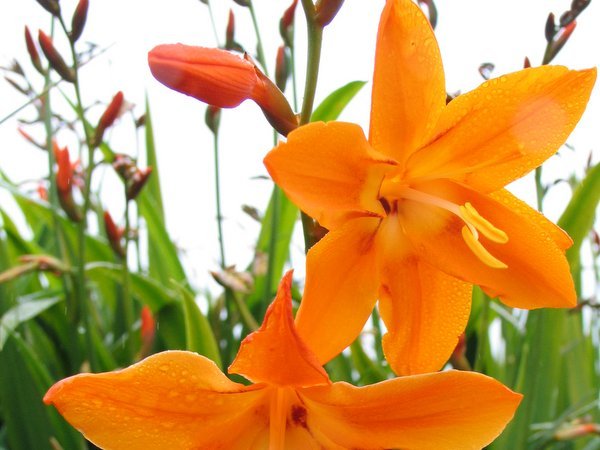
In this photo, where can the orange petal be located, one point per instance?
(330, 171)
(448, 410)
(275, 354)
(408, 84)
(538, 274)
(341, 288)
(559, 236)
(210, 75)
(506, 127)
(173, 399)
(425, 311)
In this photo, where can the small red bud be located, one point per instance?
(33, 53)
(108, 117)
(79, 19)
(52, 6)
(286, 24)
(570, 432)
(64, 182)
(326, 10)
(137, 182)
(526, 63)
(42, 192)
(147, 330)
(114, 235)
(282, 71)
(56, 61)
(230, 31)
(550, 29)
(560, 39)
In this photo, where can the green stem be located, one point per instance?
(212, 22)
(540, 190)
(247, 317)
(82, 225)
(218, 199)
(260, 53)
(294, 83)
(127, 300)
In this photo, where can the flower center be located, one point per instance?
(392, 191)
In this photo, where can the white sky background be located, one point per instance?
(469, 32)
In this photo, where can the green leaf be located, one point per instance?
(198, 334)
(152, 188)
(336, 102)
(27, 308)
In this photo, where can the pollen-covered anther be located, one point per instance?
(479, 250)
(470, 215)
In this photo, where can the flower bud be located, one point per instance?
(286, 24)
(137, 182)
(64, 182)
(560, 39)
(550, 29)
(114, 235)
(212, 118)
(56, 61)
(219, 78)
(78, 20)
(230, 43)
(52, 6)
(33, 53)
(244, 3)
(282, 68)
(108, 117)
(147, 330)
(326, 10)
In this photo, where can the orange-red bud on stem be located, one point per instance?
(282, 68)
(33, 53)
(114, 235)
(64, 183)
(134, 177)
(219, 78)
(558, 41)
(286, 24)
(326, 10)
(52, 6)
(56, 61)
(79, 19)
(574, 431)
(148, 330)
(108, 117)
(230, 43)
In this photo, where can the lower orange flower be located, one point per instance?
(181, 400)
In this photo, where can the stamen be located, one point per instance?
(479, 250)
(470, 215)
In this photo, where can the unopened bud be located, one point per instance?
(30, 139)
(244, 3)
(108, 117)
(431, 11)
(42, 192)
(579, 5)
(559, 41)
(33, 53)
(230, 43)
(52, 6)
(526, 63)
(550, 29)
(137, 182)
(56, 61)
(213, 118)
(114, 235)
(570, 432)
(222, 79)
(326, 10)
(147, 330)
(282, 68)
(286, 24)
(79, 19)
(64, 183)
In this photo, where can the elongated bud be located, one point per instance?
(114, 235)
(282, 69)
(213, 118)
(64, 182)
(222, 79)
(79, 19)
(579, 5)
(244, 3)
(574, 431)
(56, 61)
(560, 40)
(33, 53)
(327, 10)
(230, 43)
(286, 24)
(108, 117)
(550, 29)
(30, 139)
(137, 182)
(52, 6)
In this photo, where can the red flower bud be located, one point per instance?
(79, 19)
(52, 6)
(286, 24)
(560, 39)
(326, 10)
(56, 61)
(219, 78)
(137, 182)
(282, 71)
(147, 329)
(230, 30)
(64, 182)
(108, 117)
(114, 235)
(33, 53)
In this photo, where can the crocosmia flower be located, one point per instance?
(418, 212)
(181, 400)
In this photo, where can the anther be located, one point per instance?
(479, 250)
(471, 216)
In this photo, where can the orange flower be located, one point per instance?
(418, 212)
(220, 78)
(181, 400)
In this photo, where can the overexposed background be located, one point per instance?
(470, 32)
